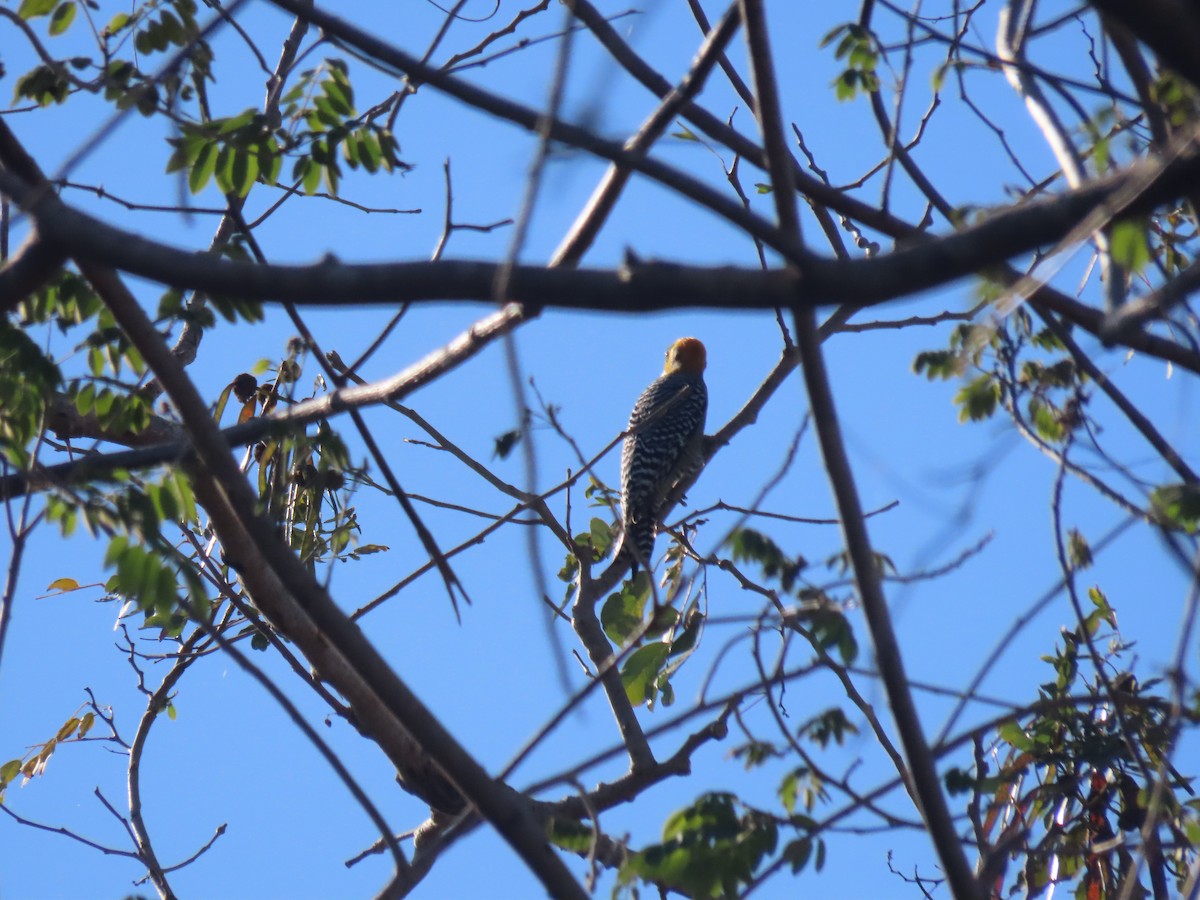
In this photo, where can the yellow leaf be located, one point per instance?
(10, 770)
(62, 585)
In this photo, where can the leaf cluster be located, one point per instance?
(860, 50)
(1081, 771)
(667, 638)
(708, 849)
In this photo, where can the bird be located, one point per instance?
(663, 445)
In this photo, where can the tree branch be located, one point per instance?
(287, 594)
(27, 270)
(911, 268)
(925, 786)
(1169, 27)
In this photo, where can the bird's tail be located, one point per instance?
(637, 545)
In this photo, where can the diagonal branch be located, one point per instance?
(604, 198)
(310, 617)
(366, 44)
(1170, 27)
(284, 591)
(167, 437)
(922, 773)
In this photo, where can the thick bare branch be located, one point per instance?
(1169, 27)
(641, 286)
(27, 270)
(287, 594)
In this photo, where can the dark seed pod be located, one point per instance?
(244, 387)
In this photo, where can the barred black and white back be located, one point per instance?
(664, 446)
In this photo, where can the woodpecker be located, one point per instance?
(663, 447)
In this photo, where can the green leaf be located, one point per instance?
(180, 485)
(1178, 504)
(104, 403)
(570, 835)
(311, 179)
(1014, 734)
(846, 85)
(203, 167)
(369, 152)
(243, 173)
(754, 546)
(338, 96)
(222, 169)
(1078, 549)
(685, 641)
(832, 629)
(1101, 153)
(831, 724)
(9, 771)
(173, 29)
(350, 150)
(116, 547)
(85, 399)
(941, 364)
(367, 549)
(708, 849)
(600, 533)
(222, 402)
(149, 39)
(797, 853)
(31, 9)
(938, 79)
(63, 16)
(621, 615)
(117, 22)
(1129, 246)
(132, 572)
(977, 399)
(43, 85)
(862, 57)
(270, 161)
(829, 38)
(1100, 601)
(1046, 421)
(789, 790)
(640, 671)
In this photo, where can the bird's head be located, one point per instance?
(686, 355)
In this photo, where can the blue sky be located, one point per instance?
(231, 755)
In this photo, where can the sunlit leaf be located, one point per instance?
(30, 9)
(1129, 245)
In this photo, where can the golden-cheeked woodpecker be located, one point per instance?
(664, 445)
